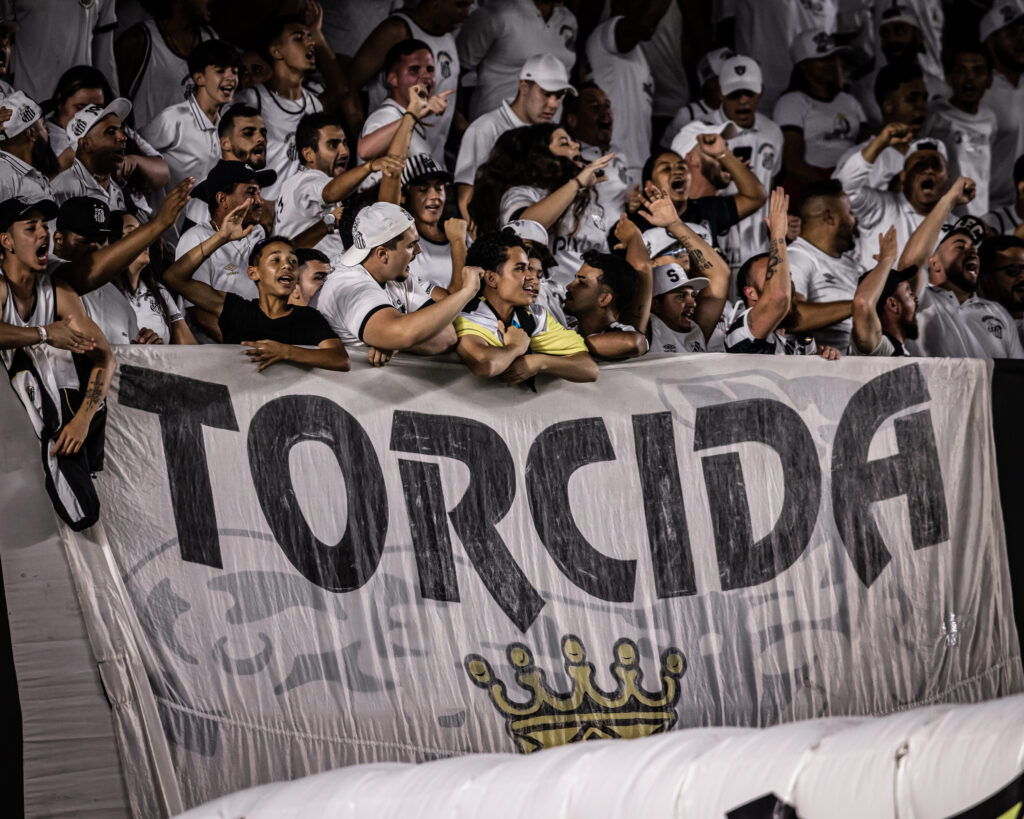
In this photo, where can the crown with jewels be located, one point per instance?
(550, 718)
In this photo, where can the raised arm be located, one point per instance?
(550, 209)
(923, 240)
(774, 301)
(867, 327)
(637, 314)
(376, 143)
(895, 133)
(750, 194)
(335, 86)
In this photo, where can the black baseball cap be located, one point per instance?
(17, 208)
(84, 215)
(229, 172)
(894, 280)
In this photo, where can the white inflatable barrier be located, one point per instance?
(942, 761)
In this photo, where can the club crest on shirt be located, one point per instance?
(568, 33)
(841, 128)
(993, 325)
(444, 61)
(766, 155)
(293, 151)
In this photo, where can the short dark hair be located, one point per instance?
(617, 275)
(971, 47)
(74, 80)
(307, 132)
(353, 205)
(743, 275)
(274, 30)
(401, 49)
(819, 189)
(305, 255)
(213, 52)
(257, 249)
(648, 169)
(571, 102)
(892, 76)
(490, 250)
(997, 244)
(237, 111)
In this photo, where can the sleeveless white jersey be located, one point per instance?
(162, 80)
(46, 359)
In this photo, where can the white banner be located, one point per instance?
(410, 563)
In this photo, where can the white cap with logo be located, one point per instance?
(687, 138)
(710, 63)
(740, 74)
(548, 72)
(24, 113)
(83, 122)
(813, 44)
(1001, 15)
(669, 277)
(374, 225)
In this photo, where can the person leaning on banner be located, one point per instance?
(602, 291)
(884, 306)
(371, 301)
(273, 329)
(42, 324)
(502, 332)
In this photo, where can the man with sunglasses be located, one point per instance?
(1002, 275)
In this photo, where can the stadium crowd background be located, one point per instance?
(533, 185)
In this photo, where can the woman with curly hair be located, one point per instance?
(536, 173)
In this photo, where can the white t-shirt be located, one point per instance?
(390, 111)
(629, 84)
(350, 296)
(433, 266)
(819, 277)
(666, 340)
(281, 117)
(301, 205)
(479, 139)
(968, 140)
(112, 313)
(829, 128)
(613, 192)
(77, 181)
(567, 245)
(498, 39)
(186, 139)
(978, 328)
(1007, 102)
(147, 311)
(19, 179)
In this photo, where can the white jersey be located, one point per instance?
(350, 296)
(479, 139)
(1004, 221)
(671, 87)
(77, 181)
(301, 205)
(47, 359)
(567, 244)
(108, 307)
(968, 140)
(498, 39)
(281, 117)
(978, 328)
(762, 144)
(147, 311)
(1007, 101)
(390, 111)
(186, 139)
(432, 267)
(163, 79)
(347, 25)
(829, 128)
(666, 340)
(613, 192)
(20, 179)
(629, 84)
(819, 277)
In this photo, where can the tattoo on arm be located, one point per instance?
(773, 258)
(697, 260)
(94, 392)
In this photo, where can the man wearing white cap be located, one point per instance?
(758, 142)
(710, 94)
(621, 69)
(373, 303)
(1002, 32)
(543, 81)
(498, 39)
(22, 141)
(98, 139)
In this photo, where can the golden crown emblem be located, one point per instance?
(550, 718)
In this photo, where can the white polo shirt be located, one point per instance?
(147, 311)
(968, 140)
(498, 39)
(978, 328)
(350, 296)
(819, 277)
(830, 128)
(112, 313)
(480, 137)
(301, 205)
(627, 80)
(186, 139)
(77, 181)
(19, 179)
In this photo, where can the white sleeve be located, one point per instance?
(801, 269)
(173, 311)
(308, 195)
(517, 198)
(189, 239)
(352, 305)
(476, 145)
(161, 132)
(867, 202)
(790, 111)
(384, 115)
(476, 37)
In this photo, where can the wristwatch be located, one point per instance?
(330, 221)
(42, 334)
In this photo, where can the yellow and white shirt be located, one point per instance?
(547, 336)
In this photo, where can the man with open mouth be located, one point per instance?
(98, 140)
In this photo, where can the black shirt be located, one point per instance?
(242, 320)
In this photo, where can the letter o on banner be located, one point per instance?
(277, 427)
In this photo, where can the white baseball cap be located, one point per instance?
(813, 44)
(374, 225)
(84, 121)
(24, 112)
(899, 14)
(669, 277)
(740, 74)
(710, 63)
(686, 140)
(548, 72)
(658, 240)
(530, 230)
(1001, 15)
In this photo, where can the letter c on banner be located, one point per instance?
(277, 427)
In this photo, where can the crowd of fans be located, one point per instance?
(531, 189)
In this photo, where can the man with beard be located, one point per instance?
(921, 184)
(310, 197)
(229, 185)
(1002, 33)
(502, 332)
(442, 246)
(543, 82)
(98, 139)
(953, 320)
(589, 119)
(25, 153)
(603, 289)
(885, 305)
(966, 127)
(1002, 275)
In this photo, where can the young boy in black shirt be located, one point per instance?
(280, 326)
